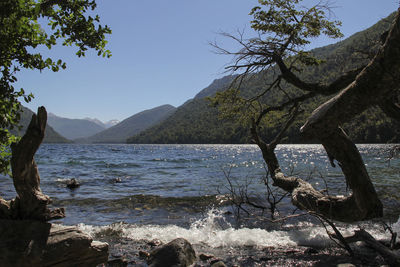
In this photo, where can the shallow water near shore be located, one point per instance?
(146, 192)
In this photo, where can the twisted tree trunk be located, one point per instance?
(30, 203)
(375, 85)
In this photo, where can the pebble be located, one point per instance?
(218, 264)
(215, 260)
(144, 254)
(265, 259)
(154, 243)
(120, 262)
(310, 251)
(205, 257)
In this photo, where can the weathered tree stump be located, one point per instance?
(26, 239)
(30, 203)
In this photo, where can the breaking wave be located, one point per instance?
(215, 232)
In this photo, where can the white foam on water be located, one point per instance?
(396, 227)
(209, 232)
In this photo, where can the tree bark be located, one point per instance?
(30, 202)
(374, 85)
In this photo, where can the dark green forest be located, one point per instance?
(197, 121)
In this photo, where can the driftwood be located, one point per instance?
(392, 257)
(26, 239)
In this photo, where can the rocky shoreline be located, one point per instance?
(125, 252)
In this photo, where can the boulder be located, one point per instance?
(177, 253)
(33, 243)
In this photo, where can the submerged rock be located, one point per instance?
(179, 252)
(73, 183)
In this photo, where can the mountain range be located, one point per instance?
(133, 125)
(74, 128)
(93, 130)
(50, 135)
(105, 125)
(196, 121)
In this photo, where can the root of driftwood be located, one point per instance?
(392, 257)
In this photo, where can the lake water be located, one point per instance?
(169, 191)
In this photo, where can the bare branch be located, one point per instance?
(337, 236)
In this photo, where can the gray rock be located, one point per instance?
(34, 243)
(178, 253)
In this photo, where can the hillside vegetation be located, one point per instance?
(198, 122)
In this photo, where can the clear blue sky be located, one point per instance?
(160, 55)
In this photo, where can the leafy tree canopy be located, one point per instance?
(23, 29)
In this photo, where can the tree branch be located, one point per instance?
(333, 87)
